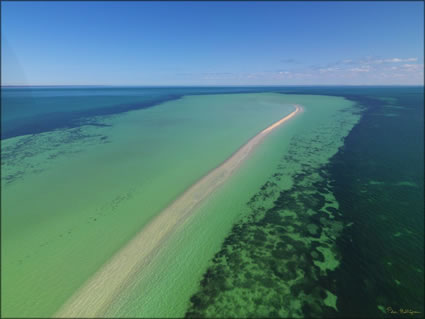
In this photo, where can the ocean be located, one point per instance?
(324, 219)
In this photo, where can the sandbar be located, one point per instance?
(95, 296)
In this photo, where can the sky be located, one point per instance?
(212, 43)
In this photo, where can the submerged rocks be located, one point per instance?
(286, 249)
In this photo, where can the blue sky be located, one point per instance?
(212, 43)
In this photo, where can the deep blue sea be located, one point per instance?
(28, 110)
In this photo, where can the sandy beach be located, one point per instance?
(94, 297)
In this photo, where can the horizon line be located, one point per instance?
(223, 85)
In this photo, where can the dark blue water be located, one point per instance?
(41, 109)
(29, 110)
(379, 183)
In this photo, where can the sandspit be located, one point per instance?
(94, 297)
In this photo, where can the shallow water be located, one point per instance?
(286, 161)
(375, 265)
(325, 219)
(72, 197)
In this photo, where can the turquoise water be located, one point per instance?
(325, 219)
(165, 288)
(284, 245)
(272, 263)
(72, 197)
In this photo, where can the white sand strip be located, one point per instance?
(94, 297)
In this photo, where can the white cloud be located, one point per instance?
(362, 69)
(398, 60)
(394, 60)
(371, 60)
(324, 70)
(413, 67)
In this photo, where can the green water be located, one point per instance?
(282, 162)
(346, 239)
(324, 219)
(73, 197)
